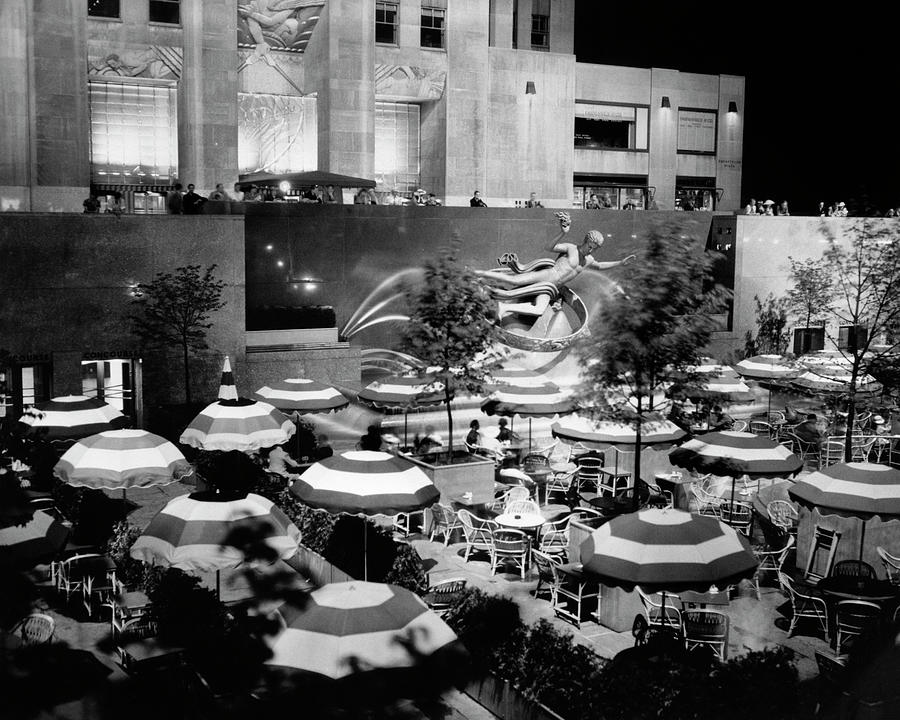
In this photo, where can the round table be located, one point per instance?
(520, 521)
(677, 484)
(845, 587)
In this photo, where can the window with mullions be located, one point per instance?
(21, 386)
(432, 34)
(611, 127)
(852, 337)
(134, 133)
(103, 8)
(540, 25)
(396, 146)
(165, 11)
(112, 381)
(386, 22)
(809, 339)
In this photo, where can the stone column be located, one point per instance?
(207, 95)
(15, 112)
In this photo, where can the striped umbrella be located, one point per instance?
(736, 454)
(667, 550)
(357, 627)
(767, 367)
(38, 540)
(529, 397)
(189, 532)
(862, 489)
(365, 482)
(122, 459)
(721, 388)
(301, 396)
(835, 380)
(656, 434)
(403, 392)
(72, 417)
(243, 424)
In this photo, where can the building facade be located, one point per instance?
(445, 95)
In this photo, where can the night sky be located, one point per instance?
(821, 89)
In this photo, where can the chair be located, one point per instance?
(70, 573)
(738, 515)
(860, 449)
(855, 569)
(510, 547)
(35, 629)
(831, 452)
(853, 618)
(478, 532)
(783, 515)
(891, 565)
(554, 537)
(534, 461)
(559, 483)
(517, 492)
(444, 521)
(440, 596)
(707, 503)
(831, 680)
(806, 449)
(771, 559)
(762, 428)
(403, 522)
(706, 628)
(823, 541)
(522, 507)
(588, 472)
(776, 416)
(612, 485)
(657, 616)
(739, 426)
(546, 565)
(803, 605)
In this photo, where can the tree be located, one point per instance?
(771, 323)
(811, 290)
(652, 333)
(175, 310)
(452, 327)
(866, 277)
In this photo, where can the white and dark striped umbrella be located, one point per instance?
(766, 367)
(189, 532)
(73, 417)
(856, 487)
(302, 396)
(529, 400)
(403, 392)
(735, 454)
(365, 482)
(727, 388)
(122, 459)
(834, 379)
(656, 434)
(38, 540)
(355, 627)
(667, 551)
(243, 424)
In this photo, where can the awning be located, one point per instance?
(303, 179)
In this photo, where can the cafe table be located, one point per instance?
(526, 522)
(679, 485)
(835, 588)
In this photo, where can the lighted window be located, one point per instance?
(165, 11)
(618, 127)
(112, 381)
(386, 22)
(697, 131)
(433, 20)
(396, 146)
(21, 386)
(540, 25)
(276, 133)
(134, 133)
(103, 8)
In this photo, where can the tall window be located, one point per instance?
(134, 133)
(386, 22)
(851, 337)
(23, 385)
(113, 381)
(165, 11)
(103, 8)
(540, 25)
(397, 146)
(617, 127)
(433, 19)
(697, 131)
(808, 339)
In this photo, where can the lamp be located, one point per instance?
(529, 88)
(732, 106)
(665, 102)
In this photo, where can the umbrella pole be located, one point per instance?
(365, 551)
(529, 434)
(405, 428)
(218, 583)
(862, 539)
(733, 483)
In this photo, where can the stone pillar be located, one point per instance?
(342, 55)
(501, 20)
(15, 114)
(207, 95)
(663, 136)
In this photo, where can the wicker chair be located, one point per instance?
(762, 428)
(522, 507)
(853, 618)
(824, 541)
(803, 605)
(588, 473)
(547, 566)
(891, 565)
(706, 628)
(444, 521)
(441, 595)
(510, 547)
(559, 483)
(855, 569)
(669, 617)
(783, 514)
(554, 537)
(478, 532)
(707, 503)
(771, 560)
(831, 452)
(738, 515)
(35, 629)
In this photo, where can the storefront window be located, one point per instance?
(114, 381)
(617, 127)
(396, 146)
(611, 197)
(23, 385)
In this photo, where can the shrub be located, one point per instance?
(408, 570)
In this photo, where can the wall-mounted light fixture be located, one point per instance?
(665, 102)
(135, 290)
(529, 88)
(732, 106)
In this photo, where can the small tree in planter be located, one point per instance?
(175, 310)
(451, 328)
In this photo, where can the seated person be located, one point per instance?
(504, 434)
(808, 431)
(429, 442)
(720, 420)
(323, 449)
(678, 417)
(391, 443)
(371, 440)
(473, 438)
(279, 461)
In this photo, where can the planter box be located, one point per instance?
(474, 475)
(318, 569)
(505, 701)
